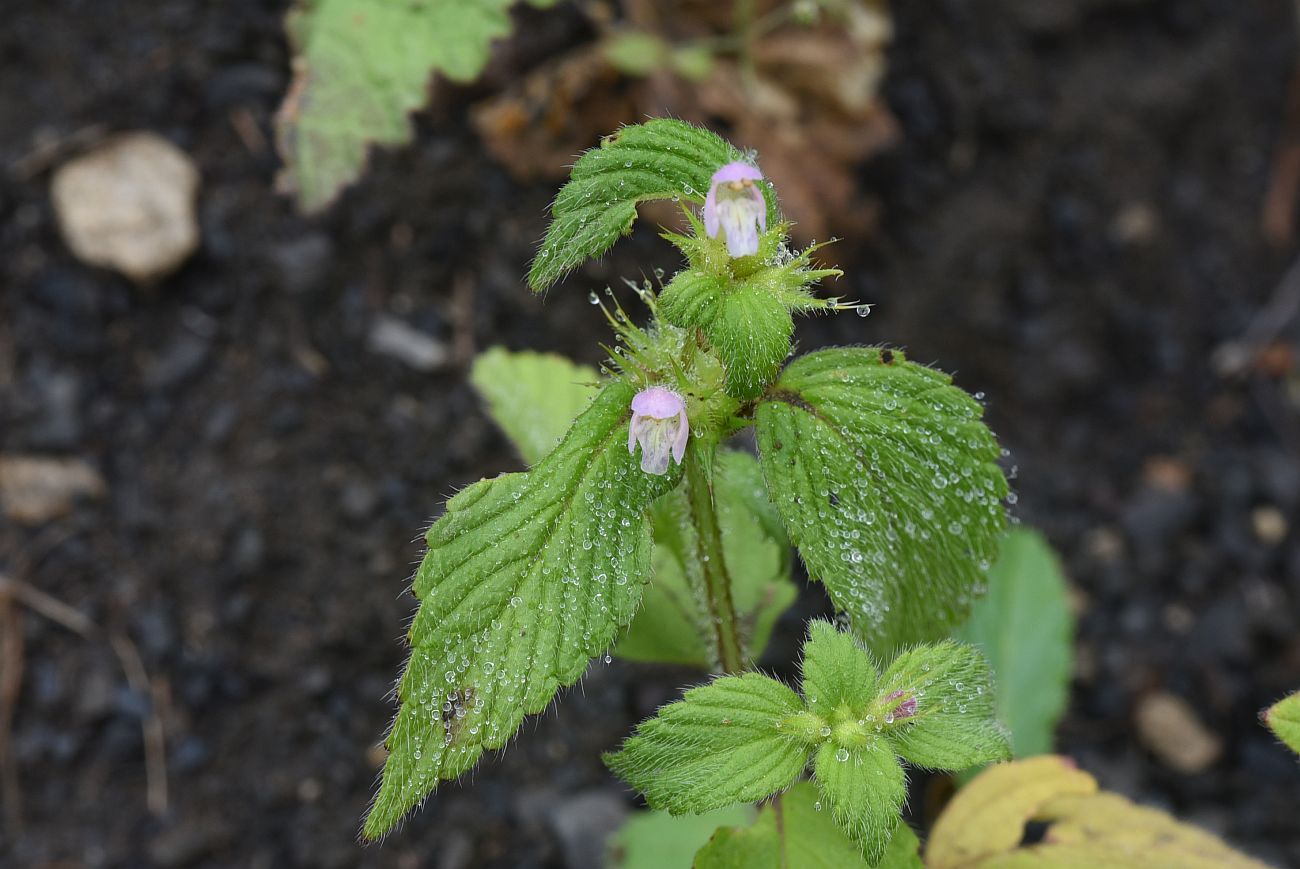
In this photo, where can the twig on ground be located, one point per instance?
(462, 318)
(155, 746)
(11, 680)
(1235, 357)
(128, 655)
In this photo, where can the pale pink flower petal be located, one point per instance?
(735, 207)
(659, 425)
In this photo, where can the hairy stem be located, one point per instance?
(717, 580)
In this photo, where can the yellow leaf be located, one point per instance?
(983, 826)
(988, 816)
(1110, 830)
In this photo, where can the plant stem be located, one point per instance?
(717, 580)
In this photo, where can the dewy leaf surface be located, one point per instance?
(1283, 718)
(720, 744)
(660, 159)
(1025, 627)
(865, 787)
(795, 831)
(360, 68)
(952, 726)
(669, 625)
(533, 397)
(836, 672)
(527, 577)
(888, 484)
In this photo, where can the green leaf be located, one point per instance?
(794, 831)
(527, 577)
(1025, 627)
(888, 484)
(903, 851)
(865, 788)
(952, 726)
(658, 840)
(836, 671)
(533, 397)
(360, 68)
(660, 159)
(1283, 718)
(720, 744)
(671, 623)
(635, 52)
(692, 63)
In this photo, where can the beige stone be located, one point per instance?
(1168, 725)
(36, 489)
(129, 205)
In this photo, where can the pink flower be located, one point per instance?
(659, 425)
(735, 207)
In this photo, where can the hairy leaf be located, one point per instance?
(984, 826)
(672, 623)
(360, 68)
(1283, 718)
(658, 840)
(952, 726)
(527, 577)
(865, 788)
(887, 482)
(660, 159)
(795, 831)
(1025, 627)
(836, 671)
(720, 744)
(533, 397)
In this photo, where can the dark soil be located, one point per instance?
(1070, 223)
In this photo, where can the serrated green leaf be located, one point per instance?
(865, 788)
(836, 671)
(720, 744)
(1025, 627)
(1283, 718)
(670, 626)
(658, 840)
(527, 577)
(952, 726)
(888, 484)
(361, 66)
(533, 397)
(794, 831)
(660, 159)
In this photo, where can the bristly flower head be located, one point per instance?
(735, 206)
(659, 425)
